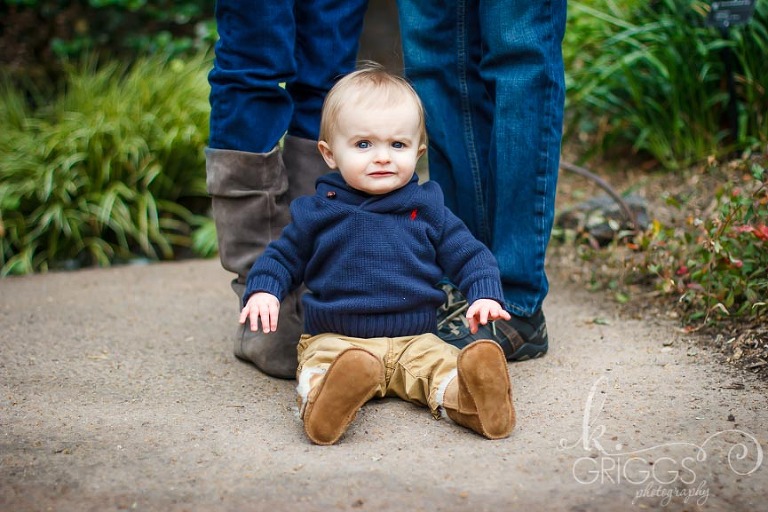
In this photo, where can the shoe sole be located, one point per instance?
(489, 386)
(351, 380)
(528, 351)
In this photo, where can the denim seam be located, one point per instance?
(545, 163)
(469, 138)
(548, 157)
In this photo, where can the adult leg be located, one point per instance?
(251, 183)
(246, 174)
(327, 41)
(511, 94)
(441, 52)
(523, 69)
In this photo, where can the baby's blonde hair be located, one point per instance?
(371, 85)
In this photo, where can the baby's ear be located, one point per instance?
(422, 150)
(325, 151)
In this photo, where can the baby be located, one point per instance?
(371, 246)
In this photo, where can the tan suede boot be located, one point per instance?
(352, 379)
(250, 207)
(480, 397)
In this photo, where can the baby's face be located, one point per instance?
(375, 148)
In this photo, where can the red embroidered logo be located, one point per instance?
(413, 214)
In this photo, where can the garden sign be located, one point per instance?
(723, 15)
(730, 12)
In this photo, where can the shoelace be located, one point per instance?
(455, 321)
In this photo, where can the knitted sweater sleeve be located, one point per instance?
(280, 268)
(467, 262)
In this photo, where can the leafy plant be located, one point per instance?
(727, 272)
(651, 75)
(38, 36)
(714, 263)
(110, 170)
(204, 241)
(706, 261)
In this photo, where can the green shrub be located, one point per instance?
(38, 36)
(112, 169)
(650, 75)
(726, 272)
(716, 262)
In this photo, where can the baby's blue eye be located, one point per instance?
(398, 145)
(363, 144)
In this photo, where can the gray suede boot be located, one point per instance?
(251, 208)
(304, 165)
(275, 353)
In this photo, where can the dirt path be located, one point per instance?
(119, 392)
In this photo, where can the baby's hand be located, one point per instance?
(483, 311)
(261, 306)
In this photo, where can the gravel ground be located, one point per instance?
(120, 392)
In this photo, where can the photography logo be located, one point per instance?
(663, 472)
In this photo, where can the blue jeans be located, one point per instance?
(491, 77)
(305, 44)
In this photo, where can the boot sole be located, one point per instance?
(488, 384)
(529, 351)
(351, 380)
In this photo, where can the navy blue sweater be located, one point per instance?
(372, 263)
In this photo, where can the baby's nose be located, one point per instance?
(382, 154)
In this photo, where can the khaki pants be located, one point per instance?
(417, 368)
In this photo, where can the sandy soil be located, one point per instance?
(120, 392)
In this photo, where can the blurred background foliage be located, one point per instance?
(110, 169)
(651, 77)
(104, 105)
(38, 37)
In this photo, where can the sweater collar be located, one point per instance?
(333, 187)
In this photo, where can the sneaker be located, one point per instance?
(520, 338)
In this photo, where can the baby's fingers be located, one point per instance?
(484, 313)
(243, 315)
(499, 314)
(473, 326)
(269, 316)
